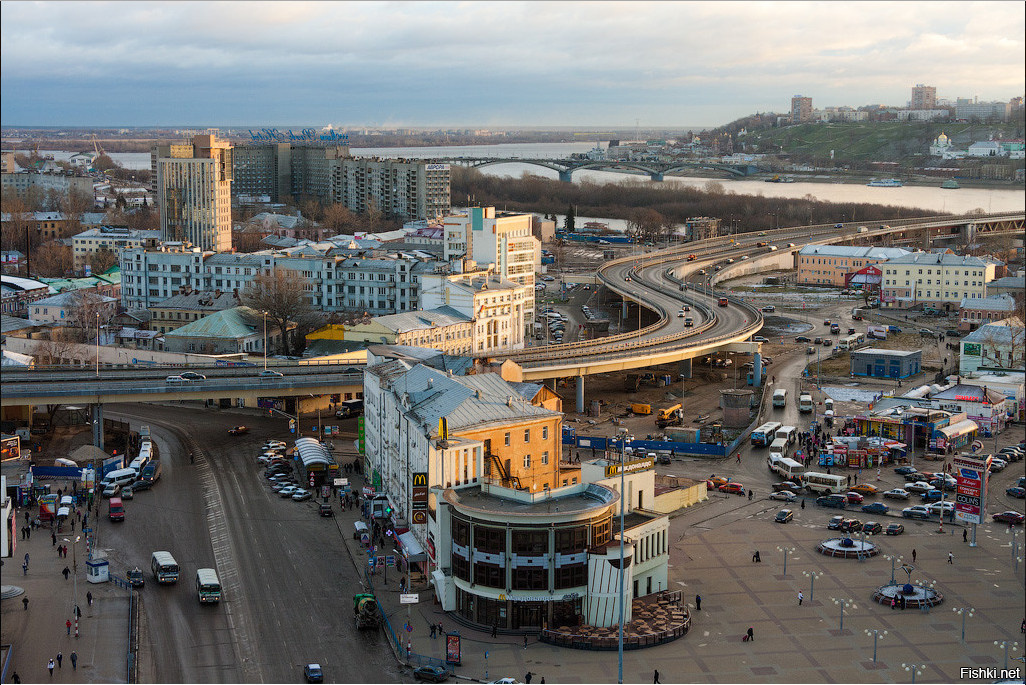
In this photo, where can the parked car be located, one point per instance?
(904, 470)
(783, 516)
(1017, 492)
(835, 522)
(997, 465)
(865, 489)
(919, 487)
(300, 494)
(854, 498)
(431, 674)
(715, 482)
(932, 496)
(871, 528)
(1008, 517)
(946, 507)
(897, 493)
(832, 501)
(875, 508)
(733, 488)
(850, 526)
(916, 511)
(288, 491)
(784, 496)
(894, 529)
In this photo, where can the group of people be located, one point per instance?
(59, 659)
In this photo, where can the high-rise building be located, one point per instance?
(193, 192)
(801, 109)
(923, 97)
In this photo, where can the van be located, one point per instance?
(787, 433)
(208, 587)
(150, 475)
(780, 397)
(119, 477)
(115, 509)
(778, 448)
(805, 404)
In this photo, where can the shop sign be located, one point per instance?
(629, 467)
(306, 134)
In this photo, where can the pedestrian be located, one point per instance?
(856, 479)
(800, 597)
(755, 556)
(78, 611)
(965, 535)
(68, 625)
(440, 631)
(433, 629)
(15, 678)
(50, 666)
(495, 629)
(749, 495)
(24, 569)
(53, 538)
(849, 480)
(527, 677)
(738, 457)
(89, 598)
(803, 503)
(24, 602)
(894, 603)
(525, 641)
(951, 558)
(698, 602)
(60, 660)
(758, 559)
(74, 661)
(655, 678)
(751, 634)
(913, 555)
(66, 572)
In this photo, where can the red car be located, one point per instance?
(854, 498)
(1005, 516)
(735, 488)
(715, 482)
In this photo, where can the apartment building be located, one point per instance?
(26, 184)
(829, 264)
(973, 110)
(193, 192)
(801, 109)
(923, 97)
(497, 306)
(42, 226)
(114, 239)
(936, 280)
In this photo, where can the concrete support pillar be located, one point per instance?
(580, 394)
(98, 425)
(566, 175)
(656, 175)
(624, 309)
(685, 368)
(757, 370)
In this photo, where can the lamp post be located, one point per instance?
(1005, 645)
(97, 344)
(785, 550)
(876, 635)
(844, 604)
(893, 558)
(812, 575)
(963, 612)
(916, 669)
(74, 566)
(265, 339)
(620, 589)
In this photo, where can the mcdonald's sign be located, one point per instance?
(419, 491)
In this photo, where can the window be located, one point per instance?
(545, 433)
(490, 575)
(527, 435)
(507, 439)
(530, 542)
(527, 461)
(530, 578)
(545, 458)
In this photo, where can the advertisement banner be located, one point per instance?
(971, 487)
(452, 649)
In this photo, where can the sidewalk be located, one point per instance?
(38, 633)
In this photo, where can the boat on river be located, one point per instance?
(885, 183)
(950, 184)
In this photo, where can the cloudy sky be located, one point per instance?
(597, 64)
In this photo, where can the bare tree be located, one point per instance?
(102, 259)
(1002, 344)
(53, 259)
(283, 295)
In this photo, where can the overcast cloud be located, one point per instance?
(490, 63)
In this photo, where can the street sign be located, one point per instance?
(977, 445)
(409, 598)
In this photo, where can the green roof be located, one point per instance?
(234, 323)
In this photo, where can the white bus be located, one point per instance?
(851, 342)
(788, 469)
(763, 435)
(824, 483)
(789, 433)
(780, 398)
(805, 404)
(164, 567)
(208, 587)
(778, 448)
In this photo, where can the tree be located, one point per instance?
(338, 218)
(103, 162)
(101, 260)
(570, 216)
(53, 259)
(282, 294)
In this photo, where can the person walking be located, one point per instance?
(74, 661)
(16, 678)
(749, 495)
(913, 555)
(751, 634)
(24, 569)
(965, 535)
(655, 678)
(60, 659)
(800, 597)
(951, 558)
(25, 602)
(68, 625)
(89, 598)
(53, 539)
(698, 602)
(432, 632)
(525, 641)
(527, 677)
(495, 629)
(440, 631)
(66, 572)
(49, 665)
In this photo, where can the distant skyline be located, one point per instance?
(490, 64)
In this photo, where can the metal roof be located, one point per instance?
(888, 253)
(231, 323)
(311, 451)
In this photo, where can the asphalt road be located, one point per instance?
(286, 575)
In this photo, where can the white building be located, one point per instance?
(937, 280)
(998, 346)
(988, 407)
(497, 306)
(114, 239)
(74, 308)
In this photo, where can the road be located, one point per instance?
(287, 577)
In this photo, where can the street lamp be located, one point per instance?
(876, 634)
(74, 566)
(963, 612)
(785, 550)
(893, 558)
(97, 344)
(916, 669)
(1005, 644)
(812, 575)
(265, 339)
(844, 604)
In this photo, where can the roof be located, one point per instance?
(404, 322)
(231, 323)
(311, 451)
(932, 258)
(70, 298)
(1008, 282)
(9, 324)
(879, 352)
(526, 390)
(199, 300)
(973, 393)
(1005, 330)
(888, 253)
(19, 283)
(15, 359)
(994, 303)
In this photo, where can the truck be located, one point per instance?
(876, 331)
(856, 314)
(670, 416)
(722, 302)
(805, 403)
(365, 609)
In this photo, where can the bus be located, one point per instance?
(763, 435)
(779, 398)
(789, 433)
(164, 567)
(788, 469)
(805, 403)
(851, 342)
(824, 483)
(778, 448)
(208, 587)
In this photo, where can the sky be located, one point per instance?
(490, 64)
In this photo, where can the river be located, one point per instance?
(929, 198)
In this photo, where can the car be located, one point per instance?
(932, 495)
(288, 491)
(854, 498)
(802, 339)
(325, 509)
(263, 460)
(851, 331)
(126, 492)
(946, 507)
(894, 529)
(664, 459)
(828, 343)
(865, 489)
(279, 485)
(787, 486)
(504, 681)
(904, 470)
(783, 516)
(784, 496)
(174, 379)
(685, 308)
(111, 490)
(927, 333)
(431, 674)
(313, 673)
(1017, 492)
(871, 528)
(717, 267)
(827, 322)
(817, 340)
(997, 465)
(300, 495)
(850, 526)
(916, 511)
(744, 257)
(919, 487)
(238, 430)
(835, 522)
(832, 501)
(192, 376)
(897, 493)
(135, 577)
(769, 308)
(1008, 517)
(715, 482)
(733, 488)
(269, 373)
(876, 508)
(810, 350)
(760, 339)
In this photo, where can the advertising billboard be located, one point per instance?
(971, 487)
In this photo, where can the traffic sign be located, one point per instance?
(409, 598)
(977, 445)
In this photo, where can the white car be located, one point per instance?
(288, 491)
(274, 445)
(946, 506)
(680, 314)
(300, 494)
(784, 496)
(268, 373)
(263, 460)
(919, 487)
(897, 493)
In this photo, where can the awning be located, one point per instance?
(63, 511)
(959, 429)
(313, 454)
(411, 547)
